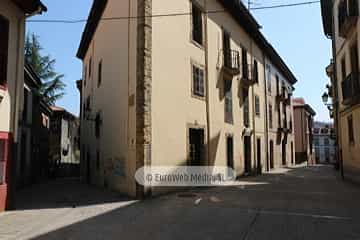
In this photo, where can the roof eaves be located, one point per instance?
(94, 18)
(249, 23)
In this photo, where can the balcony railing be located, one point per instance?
(281, 96)
(347, 16)
(247, 79)
(351, 89)
(288, 99)
(231, 62)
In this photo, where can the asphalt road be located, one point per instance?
(297, 203)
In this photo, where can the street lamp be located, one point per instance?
(325, 98)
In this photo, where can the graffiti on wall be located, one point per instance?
(116, 167)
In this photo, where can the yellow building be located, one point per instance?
(190, 85)
(341, 24)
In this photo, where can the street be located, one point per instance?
(292, 203)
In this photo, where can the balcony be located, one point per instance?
(281, 130)
(246, 79)
(287, 100)
(231, 62)
(347, 17)
(351, 89)
(281, 96)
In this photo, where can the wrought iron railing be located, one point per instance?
(231, 59)
(350, 87)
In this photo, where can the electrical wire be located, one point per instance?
(166, 15)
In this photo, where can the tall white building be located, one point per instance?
(324, 143)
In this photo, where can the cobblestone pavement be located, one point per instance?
(297, 203)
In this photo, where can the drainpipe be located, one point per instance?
(253, 106)
(207, 83)
(266, 115)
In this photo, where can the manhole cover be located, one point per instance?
(187, 195)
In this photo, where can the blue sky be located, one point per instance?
(295, 32)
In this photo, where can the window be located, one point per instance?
(198, 81)
(197, 24)
(343, 68)
(87, 105)
(228, 101)
(277, 84)
(2, 160)
(256, 72)
(4, 45)
(284, 116)
(346, 9)
(351, 129)
(90, 66)
(326, 142)
(270, 116)
(327, 155)
(268, 70)
(279, 115)
(316, 141)
(226, 49)
(98, 160)
(354, 58)
(99, 73)
(69, 130)
(4, 151)
(317, 154)
(257, 106)
(97, 125)
(85, 73)
(246, 107)
(245, 68)
(25, 106)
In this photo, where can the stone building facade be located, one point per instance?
(189, 89)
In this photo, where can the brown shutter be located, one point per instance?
(4, 44)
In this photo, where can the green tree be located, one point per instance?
(52, 88)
